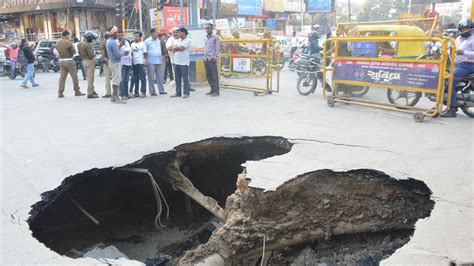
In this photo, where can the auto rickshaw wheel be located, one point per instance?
(331, 102)
(419, 117)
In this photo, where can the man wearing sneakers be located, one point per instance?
(67, 64)
(30, 61)
(114, 63)
(155, 50)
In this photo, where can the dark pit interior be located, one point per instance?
(125, 205)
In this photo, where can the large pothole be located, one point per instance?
(359, 216)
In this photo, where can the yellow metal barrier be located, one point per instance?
(416, 74)
(250, 58)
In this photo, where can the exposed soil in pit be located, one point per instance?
(355, 217)
(123, 202)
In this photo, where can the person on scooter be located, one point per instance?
(12, 56)
(314, 47)
(464, 60)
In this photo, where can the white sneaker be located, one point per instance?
(142, 95)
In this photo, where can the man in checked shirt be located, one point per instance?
(464, 61)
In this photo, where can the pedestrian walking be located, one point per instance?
(139, 53)
(126, 62)
(114, 63)
(30, 67)
(67, 64)
(88, 60)
(12, 56)
(77, 58)
(181, 63)
(155, 49)
(106, 69)
(211, 55)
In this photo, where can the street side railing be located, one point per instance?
(243, 62)
(417, 74)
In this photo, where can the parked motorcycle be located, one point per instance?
(307, 71)
(19, 70)
(464, 95)
(42, 62)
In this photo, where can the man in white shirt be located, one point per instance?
(171, 42)
(139, 52)
(294, 43)
(181, 62)
(126, 62)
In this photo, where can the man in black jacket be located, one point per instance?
(30, 61)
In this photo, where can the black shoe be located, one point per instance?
(449, 114)
(163, 93)
(95, 93)
(154, 94)
(209, 93)
(191, 89)
(136, 95)
(92, 96)
(36, 85)
(175, 96)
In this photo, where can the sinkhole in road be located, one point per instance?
(193, 203)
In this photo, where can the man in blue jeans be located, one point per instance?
(464, 61)
(181, 63)
(30, 67)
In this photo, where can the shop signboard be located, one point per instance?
(156, 19)
(271, 24)
(172, 17)
(250, 7)
(274, 5)
(319, 5)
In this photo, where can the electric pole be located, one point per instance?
(349, 7)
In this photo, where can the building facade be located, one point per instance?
(46, 19)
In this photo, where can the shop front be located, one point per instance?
(46, 19)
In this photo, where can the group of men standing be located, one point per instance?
(143, 58)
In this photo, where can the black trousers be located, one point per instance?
(212, 75)
(168, 71)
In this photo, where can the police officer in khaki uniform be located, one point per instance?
(87, 54)
(67, 64)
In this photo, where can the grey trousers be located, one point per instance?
(155, 70)
(212, 75)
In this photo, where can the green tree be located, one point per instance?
(374, 10)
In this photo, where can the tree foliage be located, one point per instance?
(374, 10)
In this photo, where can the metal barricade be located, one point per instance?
(247, 59)
(407, 74)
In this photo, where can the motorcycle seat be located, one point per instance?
(469, 77)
